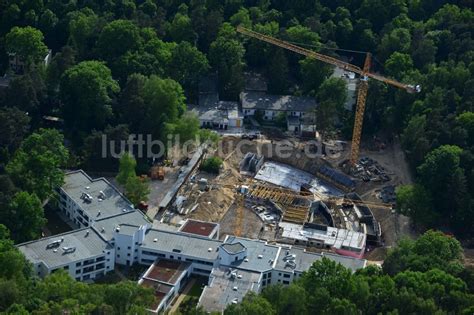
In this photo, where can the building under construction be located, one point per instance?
(310, 212)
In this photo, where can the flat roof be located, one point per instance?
(290, 177)
(255, 100)
(168, 271)
(78, 182)
(233, 248)
(348, 262)
(331, 236)
(225, 289)
(260, 255)
(199, 227)
(298, 259)
(295, 258)
(106, 226)
(87, 244)
(181, 243)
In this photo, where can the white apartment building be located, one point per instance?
(122, 235)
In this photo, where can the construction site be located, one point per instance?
(339, 198)
(296, 200)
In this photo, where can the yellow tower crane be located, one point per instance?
(364, 74)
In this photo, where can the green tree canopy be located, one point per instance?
(164, 102)
(187, 65)
(87, 90)
(331, 97)
(126, 168)
(24, 217)
(226, 56)
(36, 165)
(117, 38)
(27, 44)
(431, 250)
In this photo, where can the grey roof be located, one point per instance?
(127, 229)
(78, 182)
(221, 290)
(255, 100)
(348, 262)
(301, 260)
(106, 226)
(260, 255)
(87, 245)
(233, 248)
(214, 115)
(187, 244)
(219, 111)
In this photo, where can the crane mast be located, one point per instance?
(364, 74)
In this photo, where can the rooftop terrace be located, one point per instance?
(199, 227)
(168, 271)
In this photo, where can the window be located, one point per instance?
(128, 254)
(118, 256)
(286, 276)
(88, 269)
(78, 264)
(78, 271)
(118, 248)
(129, 247)
(171, 257)
(286, 282)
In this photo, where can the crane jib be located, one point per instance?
(363, 87)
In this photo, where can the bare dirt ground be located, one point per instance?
(251, 225)
(392, 158)
(217, 204)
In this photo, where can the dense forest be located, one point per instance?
(145, 59)
(122, 67)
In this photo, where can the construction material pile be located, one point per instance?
(368, 169)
